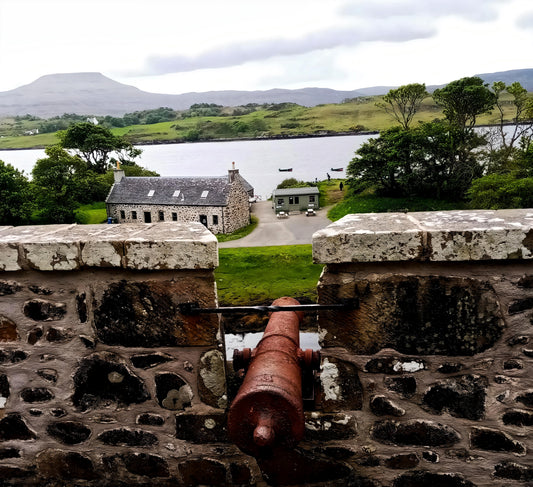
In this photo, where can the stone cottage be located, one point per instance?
(220, 203)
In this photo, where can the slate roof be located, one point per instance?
(136, 190)
(295, 191)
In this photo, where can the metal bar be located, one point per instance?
(193, 308)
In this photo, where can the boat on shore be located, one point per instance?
(287, 169)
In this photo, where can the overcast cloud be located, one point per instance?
(178, 46)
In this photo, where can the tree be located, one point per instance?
(463, 100)
(518, 126)
(95, 144)
(402, 103)
(62, 182)
(15, 196)
(433, 159)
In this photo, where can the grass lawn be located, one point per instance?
(368, 202)
(255, 275)
(91, 214)
(242, 232)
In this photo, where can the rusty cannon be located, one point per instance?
(267, 411)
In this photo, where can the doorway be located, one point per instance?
(147, 217)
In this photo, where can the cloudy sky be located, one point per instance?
(178, 46)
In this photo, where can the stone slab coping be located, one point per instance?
(156, 246)
(427, 236)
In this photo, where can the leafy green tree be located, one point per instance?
(61, 183)
(95, 144)
(402, 103)
(433, 159)
(463, 100)
(505, 139)
(16, 202)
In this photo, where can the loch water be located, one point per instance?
(258, 161)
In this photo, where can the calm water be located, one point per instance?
(258, 160)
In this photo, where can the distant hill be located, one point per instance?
(96, 94)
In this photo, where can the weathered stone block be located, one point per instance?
(340, 386)
(49, 375)
(43, 310)
(63, 465)
(13, 427)
(144, 464)
(405, 385)
(69, 432)
(422, 315)
(172, 391)
(203, 472)
(414, 432)
(127, 437)
(104, 377)
(9, 287)
(154, 308)
(394, 365)
(150, 419)
(513, 471)
(402, 461)
(463, 397)
(526, 398)
(382, 406)
(212, 379)
(8, 330)
(148, 360)
(495, 440)
(418, 479)
(327, 427)
(36, 394)
(202, 428)
(518, 417)
(12, 356)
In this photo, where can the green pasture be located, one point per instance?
(253, 275)
(93, 213)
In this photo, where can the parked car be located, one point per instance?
(310, 212)
(282, 214)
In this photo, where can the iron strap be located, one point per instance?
(193, 308)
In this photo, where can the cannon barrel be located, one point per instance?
(268, 409)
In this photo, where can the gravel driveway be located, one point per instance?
(297, 229)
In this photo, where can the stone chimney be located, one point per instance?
(232, 172)
(118, 173)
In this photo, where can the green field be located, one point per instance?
(258, 275)
(284, 120)
(93, 213)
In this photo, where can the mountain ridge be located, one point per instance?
(92, 93)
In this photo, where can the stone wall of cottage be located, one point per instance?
(105, 380)
(220, 219)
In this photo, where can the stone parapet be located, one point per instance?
(427, 237)
(435, 363)
(72, 247)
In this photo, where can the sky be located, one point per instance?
(181, 46)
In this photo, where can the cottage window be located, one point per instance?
(174, 216)
(161, 216)
(176, 193)
(134, 215)
(281, 201)
(291, 200)
(215, 219)
(151, 193)
(311, 198)
(204, 194)
(297, 200)
(122, 214)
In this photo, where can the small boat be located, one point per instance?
(288, 169)
(336, 168)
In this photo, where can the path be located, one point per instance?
(295, 230)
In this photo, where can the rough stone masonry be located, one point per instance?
(104, 382)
